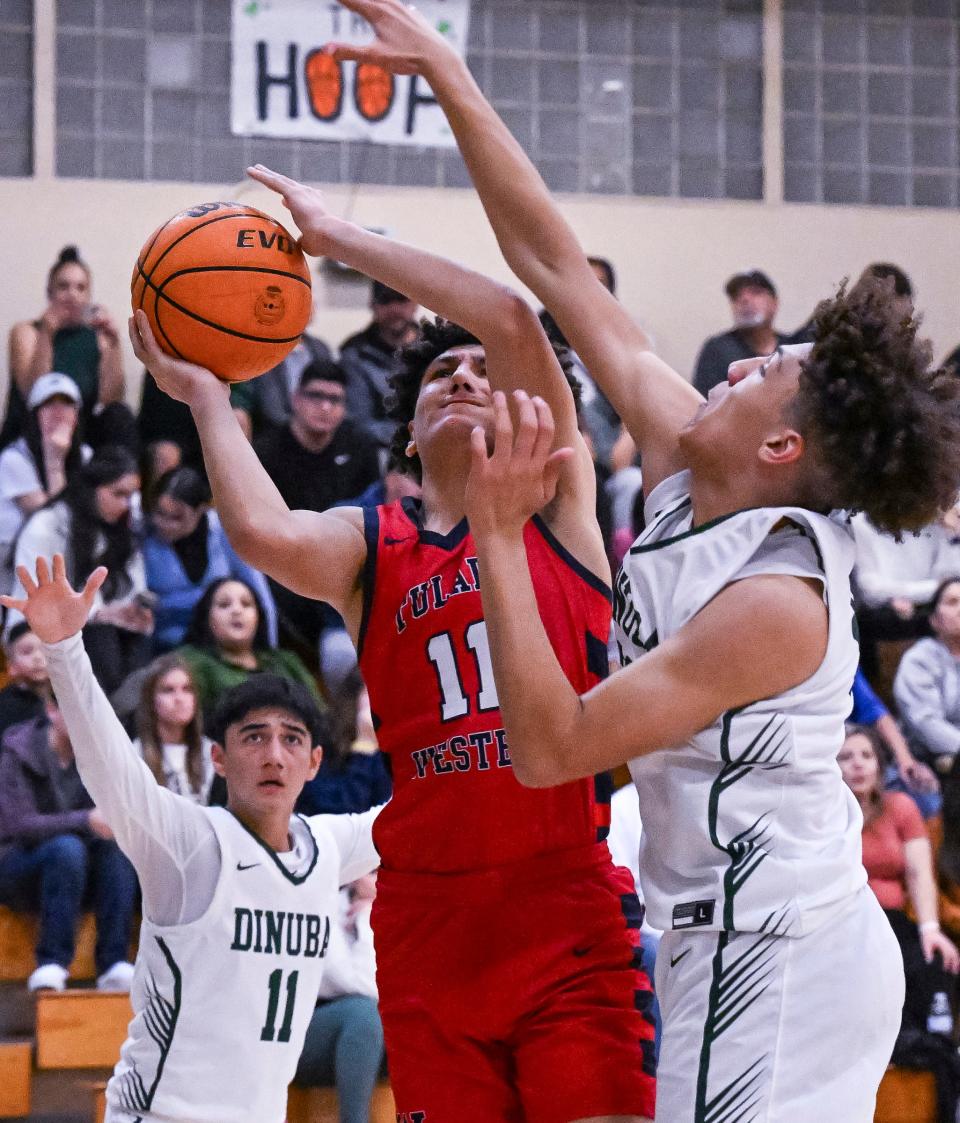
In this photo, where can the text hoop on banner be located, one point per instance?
(282, 85)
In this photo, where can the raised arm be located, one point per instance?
(168, 839)
(661, 700)
(537, 242)
(316, 555)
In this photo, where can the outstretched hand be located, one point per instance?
(405, 43)
(52, 607)
(305, 205)
(185, 382)
(519, 478)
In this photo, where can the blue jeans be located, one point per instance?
(344, 1048)
(57, 877)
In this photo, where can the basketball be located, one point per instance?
(224, 286)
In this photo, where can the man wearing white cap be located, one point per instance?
(35, 467)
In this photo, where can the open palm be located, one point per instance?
(52, 607)
(405, 43)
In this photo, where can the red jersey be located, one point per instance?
(424, 655)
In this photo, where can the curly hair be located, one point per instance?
(434, 339)
(884, 426)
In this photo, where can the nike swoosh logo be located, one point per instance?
(241, 866)
(675, 959)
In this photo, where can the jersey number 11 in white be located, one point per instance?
(270, 1025)
(453, 701)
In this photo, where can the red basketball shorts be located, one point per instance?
(515, 995)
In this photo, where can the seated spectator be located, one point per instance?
(79, 339)
(904, 773)
(753, 303)
(169, 733)
(186, 548)
(927, 684)
(894, 582)
(37, 465)
(91, 525)
(27, 692)
(57, 854)
(369, 358)
(353, 776)
(344, 1042)
(266, 402)
(317, 460)
(227, 642)
(899, 865)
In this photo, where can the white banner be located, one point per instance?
(282, 85)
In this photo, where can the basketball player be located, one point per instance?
(237, 901)
(507, 969)
(779, 980)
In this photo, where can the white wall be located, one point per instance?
(672, 256)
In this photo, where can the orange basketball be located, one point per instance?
(224, 286)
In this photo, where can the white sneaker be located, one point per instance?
(119, 977)
(48, 976)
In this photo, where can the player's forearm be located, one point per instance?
(539, 706)
(250, 507)
(536, 240)
(455, 292)
(921, 887)
(895, 741)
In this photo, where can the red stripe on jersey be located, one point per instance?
(425, 659)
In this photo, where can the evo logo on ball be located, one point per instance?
(250, 239)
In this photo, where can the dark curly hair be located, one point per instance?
(436, 337)
(884, 426)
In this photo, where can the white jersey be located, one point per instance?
(240, 982)
(748, 826)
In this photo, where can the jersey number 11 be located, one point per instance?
(454, 702)
(269, 1031)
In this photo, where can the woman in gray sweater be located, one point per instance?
(927, 684)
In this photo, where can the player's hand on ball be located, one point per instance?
(405, 43)
(305, 204)
(53, 608)
(509, 485)
(177, 379)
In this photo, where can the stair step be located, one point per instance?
(18, 937)
(906, 1096)
(15, 1065)
(319, 1105)
(17, 1011)
(66, 1096)
(81, 1028)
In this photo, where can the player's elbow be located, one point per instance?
(544, 770)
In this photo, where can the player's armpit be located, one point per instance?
(318, 555)
(757, 638)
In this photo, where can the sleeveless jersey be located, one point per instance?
(748, 826)
(243, 976)
(425, 659)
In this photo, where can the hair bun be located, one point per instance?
(68, 255)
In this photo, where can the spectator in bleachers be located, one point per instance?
(169, 731)
(168, 436)
(91, 525)
(947, 859)
(266, 402)
(27, 691)
(894, 581)
(344, 1043)
(370, 358)
(227, 642)
(904, 773)
(186, 548)
(320, 458)
(37, 465)
(353, 776)
(753, 304)
(81, 340)
(57, 854)
(899, 864)
(927, 684)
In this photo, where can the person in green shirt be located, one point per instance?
(227, 642)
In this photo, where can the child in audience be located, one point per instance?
(28, 688)
(227, 642)
(169, 733)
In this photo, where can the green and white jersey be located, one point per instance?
(221, 1004)
(748, 826)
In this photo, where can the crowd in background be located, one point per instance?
(181, 617)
